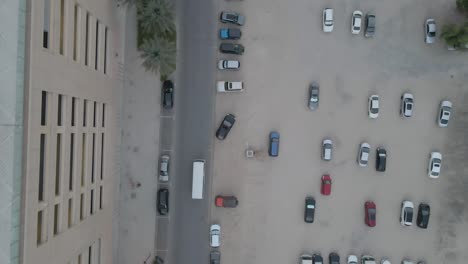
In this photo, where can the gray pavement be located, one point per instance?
(285, 51)
(189, 219)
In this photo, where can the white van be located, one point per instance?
(198, 179)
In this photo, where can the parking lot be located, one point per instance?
(285, 51)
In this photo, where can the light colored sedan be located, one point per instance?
(445, 112)
(374, 106)
(352, 259)
(406, 217)
(164, 168)
(327, 146)
(430, 30)
(328, 20)
(435, 163)
(363, 156)
(407, 104)
(215, 236)
(356, 21)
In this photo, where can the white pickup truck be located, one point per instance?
(224, 86)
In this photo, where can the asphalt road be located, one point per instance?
(188, 239)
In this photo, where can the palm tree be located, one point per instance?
(455, 35)
(156, 16)
(159, 54)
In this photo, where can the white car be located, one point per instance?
(363, 156)
(373, 106)
(385, 261)
(356, 21)
(327, 146)
(215, 236)
(164, 168)
(430, 30)
(435, 163)
(352, 259)
(407, 104)
(406, 217)
(328, 20)
(224, 86)
(445, 112)
(228, 64)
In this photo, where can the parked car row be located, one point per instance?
(334, 258)
(328, 23)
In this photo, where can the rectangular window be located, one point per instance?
(59, 110)
(91, 202)
(96, 55)
(85, 106)
(86, 38)
(76, 33)
(43, 108)
(103, 114)
(42, 157)
(83, 159)
(82, 206)
(62, 27)
(92, 157)
(90, 257)
(58, 161)
(56, 219)
(39, 227)
(73, 111)
(72, 161)
(70, 213)
(102, 155)
(105, 50)
(100, 197)
(94, 114)
(46, 25)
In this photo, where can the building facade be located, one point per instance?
(71, 133)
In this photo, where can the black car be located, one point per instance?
(163, 201)
(333, 258)
(370, 26)
(168, 94)
(424, 211)
(225, 126)
(309, 210)
(381, 159)
(317, 259)
(215, 257)
(231, 48)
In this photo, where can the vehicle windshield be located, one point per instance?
(327, 182)
(226, 123)
(231, 17)
(372, 214)
(409, 214)
(310, 206)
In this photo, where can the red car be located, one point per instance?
(326, 185)
(371, 213)
(226, 201)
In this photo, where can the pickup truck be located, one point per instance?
(224, 86)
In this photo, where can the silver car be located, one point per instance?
(327, 146)
(407, 103)
(314, 96)
(445, 111)
(164, 168)
(363, 156)
(232, 17)
(430, 30)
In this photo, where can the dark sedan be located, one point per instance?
(168, 94)
(424, 211)
(215, 257)
(225, 126)
(231, 48)
(381, 159)
(309, 210)
(333, 258)
(163, 201)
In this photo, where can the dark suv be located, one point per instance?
(225, 126)
(424, 211)
(370, 26)
(309, 210)
(163, 201)
(168, 94)
(381, 159)
(231, 48)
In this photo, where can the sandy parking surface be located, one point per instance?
(286, 50)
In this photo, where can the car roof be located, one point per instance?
(274, 134)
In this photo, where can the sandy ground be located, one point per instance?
(285, 51)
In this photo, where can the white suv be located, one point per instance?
(228, 65)
(328, 20)
(407, 105)
(215, 236)
(327, 146)
(406, 217)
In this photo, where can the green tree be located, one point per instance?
(156, 17)
(462, 5)
(455, 35)
(159, 54)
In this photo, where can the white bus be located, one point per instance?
(198, 179)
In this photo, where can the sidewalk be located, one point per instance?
(139, 155)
